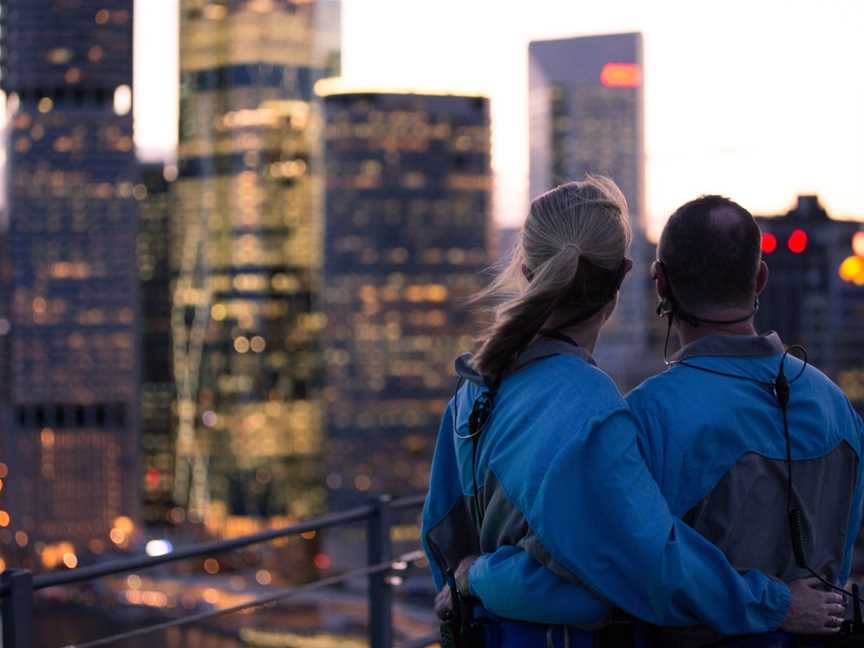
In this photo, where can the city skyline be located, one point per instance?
(741, 145)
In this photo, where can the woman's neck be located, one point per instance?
(583, 333)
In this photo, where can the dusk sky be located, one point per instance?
(757, 100)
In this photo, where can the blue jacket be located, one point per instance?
(572, 517)
(716, 447)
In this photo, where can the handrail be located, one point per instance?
(408, 502)
(43, 581)
(18, 586)
(275, 597)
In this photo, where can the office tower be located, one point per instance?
(71, 451)
(586, 116)
(157, 376)
(407, 235)
(508, 239)
(815, 296)
(246, 320)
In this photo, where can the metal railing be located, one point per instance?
(18, 586)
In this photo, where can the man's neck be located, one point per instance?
(688, 333)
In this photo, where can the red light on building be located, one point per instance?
(621, 75)
(152, 478)
(797, 242)
(322, 561)
(769, 242)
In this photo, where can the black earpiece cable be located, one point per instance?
(780, 389)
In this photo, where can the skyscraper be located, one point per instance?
(246, 322)
(71, 443)
(810, 299)
(586, 116)
(407, 237)
(158, 391)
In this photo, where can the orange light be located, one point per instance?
(858, 243)
(211, 566)
(797, 242)
(852, 270)
(4, 519)
(621, 75)
(769, 242)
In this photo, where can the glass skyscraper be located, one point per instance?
(407, 239)
(586, 116)
(246, 319)
(70, 440)
(158, 392)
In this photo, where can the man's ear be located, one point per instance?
(658, 273)
(761, 277)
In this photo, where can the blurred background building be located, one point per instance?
(70, 440)
(585, 98)
(158, 391)
(407, 239)
(247, 319)
(814, 295)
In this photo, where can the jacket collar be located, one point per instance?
(537, 350)
(741, 346)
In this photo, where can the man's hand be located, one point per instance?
(812, 610)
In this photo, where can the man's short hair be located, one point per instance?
(710, 249)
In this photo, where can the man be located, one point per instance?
(713, 433)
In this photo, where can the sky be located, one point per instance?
(757, 99)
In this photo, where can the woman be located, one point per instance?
(537, 452)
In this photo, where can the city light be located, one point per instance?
(621, 75)
(852, 270)
(769, 242)
(858, 243)
(797, 242)
(158, 547)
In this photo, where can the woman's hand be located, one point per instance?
(813, 610)
(444, 604)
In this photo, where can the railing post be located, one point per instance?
(380, 590)
(18, 609)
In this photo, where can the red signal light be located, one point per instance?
(797, 242)
(621, 75)
(769, 242)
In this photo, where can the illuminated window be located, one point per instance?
(122, 100)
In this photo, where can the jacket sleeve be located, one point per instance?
(600, 519)
(857, 506)
(511, 584)
(443, 498)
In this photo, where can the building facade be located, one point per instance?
(407, 238)
(246, 319)
(158, 392)
(71, 439)
(811, 298)
(586, 116)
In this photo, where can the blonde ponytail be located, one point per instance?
(584, 220)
